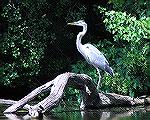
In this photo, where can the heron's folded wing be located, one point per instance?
(94, 56)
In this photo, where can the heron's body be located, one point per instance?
(91, 54)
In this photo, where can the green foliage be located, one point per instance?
(124, 26)
(117, 3)
(130, 59)
(138, 8)
(72, 94)
(35, 39)
(21, 47)
(77, 14)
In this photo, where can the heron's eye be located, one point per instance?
(87, 46)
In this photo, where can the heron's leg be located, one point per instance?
(99, 81)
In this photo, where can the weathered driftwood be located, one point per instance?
(91, 98)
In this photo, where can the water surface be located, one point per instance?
(117, 113)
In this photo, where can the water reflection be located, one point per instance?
(119, 113)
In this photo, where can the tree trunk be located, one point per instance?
(91, 98)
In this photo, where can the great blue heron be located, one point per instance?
(91, 54)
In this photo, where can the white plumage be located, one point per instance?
(91, 54)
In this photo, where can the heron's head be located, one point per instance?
(78, 23)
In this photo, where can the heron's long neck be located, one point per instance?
(79, 37)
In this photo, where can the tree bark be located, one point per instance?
(90, 97)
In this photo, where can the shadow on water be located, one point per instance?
(117, 113)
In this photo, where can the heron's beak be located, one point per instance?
(70, 23)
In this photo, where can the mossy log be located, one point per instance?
(91, 99)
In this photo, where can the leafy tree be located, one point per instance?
(138, 8)
(34, 44)
(132, 59)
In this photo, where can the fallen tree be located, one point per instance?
(91, 99)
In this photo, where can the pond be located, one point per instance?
(117, 113)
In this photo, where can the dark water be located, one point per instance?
(118, 113)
